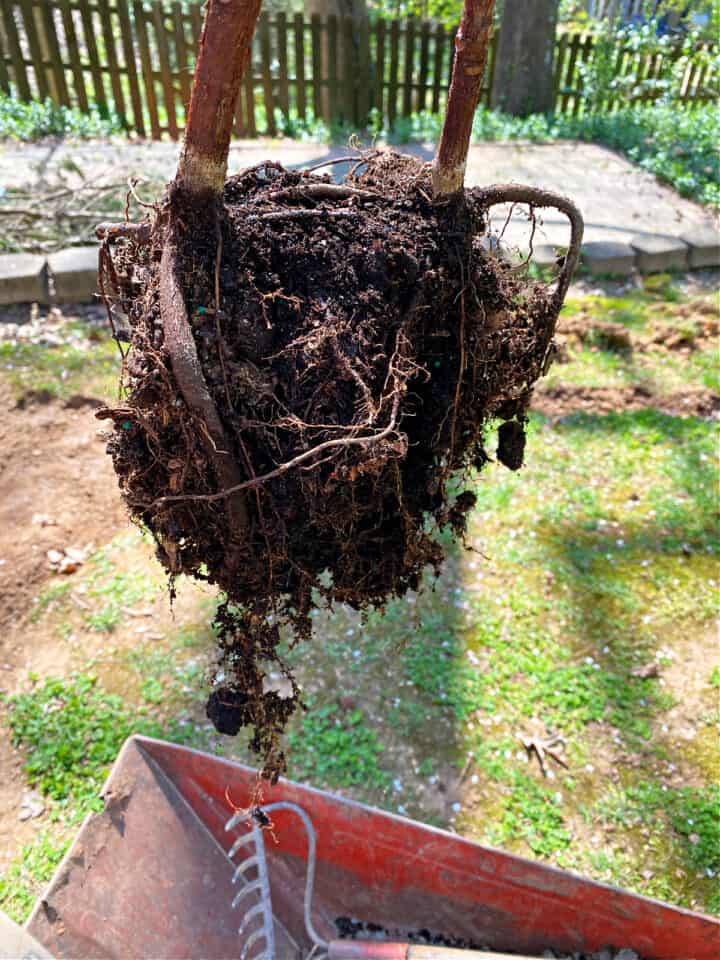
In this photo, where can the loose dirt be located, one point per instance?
(564, 399)
(57, 490)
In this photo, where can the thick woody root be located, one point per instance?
(306, 376)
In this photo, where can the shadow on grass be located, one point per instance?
(637, 573)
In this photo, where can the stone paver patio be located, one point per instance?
(621, 204)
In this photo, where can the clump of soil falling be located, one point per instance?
(355, 341)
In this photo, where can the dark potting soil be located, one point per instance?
(349, 929)
(352, 347)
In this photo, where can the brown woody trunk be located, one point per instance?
(471, 45)
(225, 47)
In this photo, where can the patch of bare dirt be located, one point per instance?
(57, 490)
(690, 326)
(563, 399)
(606, 334)
(688, 728)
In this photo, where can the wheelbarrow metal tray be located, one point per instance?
(150, 876)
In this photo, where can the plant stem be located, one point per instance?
(471, 45)
(224, 53)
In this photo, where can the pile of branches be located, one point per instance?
(49, 215)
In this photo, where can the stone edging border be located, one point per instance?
(695, 249)
(70, 276)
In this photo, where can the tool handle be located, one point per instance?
(379, 950)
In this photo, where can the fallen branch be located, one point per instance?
(138, 232)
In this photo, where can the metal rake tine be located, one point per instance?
(239, 842)
(251, 941)
(235, 820)
(256, 885)
(257, 911)
(253, 861)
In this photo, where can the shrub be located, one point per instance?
(33, 120)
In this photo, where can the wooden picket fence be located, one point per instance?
(136, 59)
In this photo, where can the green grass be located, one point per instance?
(693, 814)
(26, 874)
(71, 731)
(110, 591)
(338, 750)
(59, 371)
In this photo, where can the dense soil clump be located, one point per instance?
(353, 342)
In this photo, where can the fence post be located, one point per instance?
(36, 52)
(51, 48)
(317, 73)
(147, 73)
(331, 46)
(283, 86)
(408, 72)
(394, 65)
(92, 52)
(424, 58)
(378, 98)
(440, 37)
(566, 89)
(349, 72)
(268, 97)
(109, 39)
(364, 71)
(129, 58)
(299, 38)
(16, 54)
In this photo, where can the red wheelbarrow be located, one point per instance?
(183, 863)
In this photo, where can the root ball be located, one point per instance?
(332, 355)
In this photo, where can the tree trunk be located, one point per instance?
(523, 82)
(225, 46)
(471, 46)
